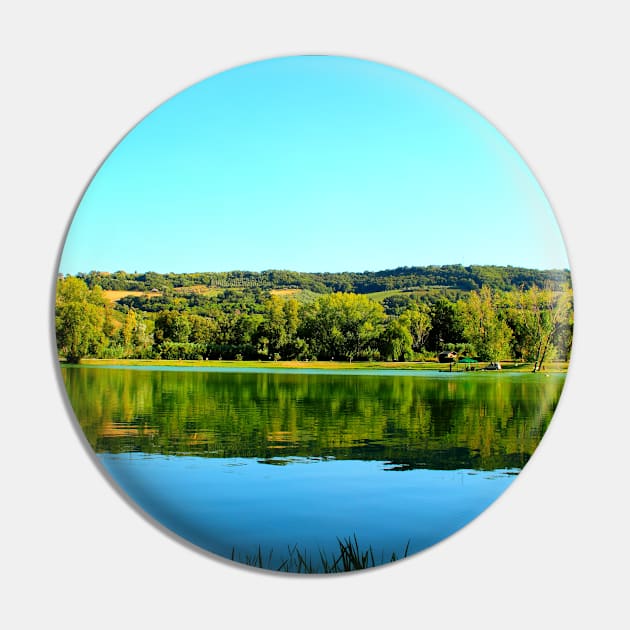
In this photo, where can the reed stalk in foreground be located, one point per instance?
(350, 557)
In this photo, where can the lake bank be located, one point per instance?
(552, 367)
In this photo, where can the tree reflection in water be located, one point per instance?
(446, 422)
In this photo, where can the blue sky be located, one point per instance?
(312, 164)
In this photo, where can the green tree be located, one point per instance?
(397, 304)
(273, 327)
(203, 330)
(540, 317)
(446, 327)
(171, 326)
(483, 328)
(142, 338)
(78, 320)
(417, 321)
(129, 330)
(278, 332)
(71, 289)
(291, 312)
(396, 341)
(135, 337)
(343, 325)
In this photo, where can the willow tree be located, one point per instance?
(538, 316)
(396, 341)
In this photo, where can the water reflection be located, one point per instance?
(443, 422)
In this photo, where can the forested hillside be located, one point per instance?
(409, 313)
(446, 276)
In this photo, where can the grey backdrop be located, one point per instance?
(552, 77)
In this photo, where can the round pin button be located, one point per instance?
(314, 314)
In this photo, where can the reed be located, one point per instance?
(349, 557)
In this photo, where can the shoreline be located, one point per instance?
(507, 366)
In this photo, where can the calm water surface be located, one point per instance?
(236, 459)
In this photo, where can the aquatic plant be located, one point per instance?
(349, 557)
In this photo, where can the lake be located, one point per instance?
(251, 464)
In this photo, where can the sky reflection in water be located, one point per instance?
(234, 460)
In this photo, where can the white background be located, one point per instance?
(552, 76)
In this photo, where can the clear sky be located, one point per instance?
(312, 164)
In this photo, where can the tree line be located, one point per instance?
(532, 323)
(459, 277)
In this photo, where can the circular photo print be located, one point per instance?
(314, 314)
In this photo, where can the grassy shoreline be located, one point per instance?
(511, 366)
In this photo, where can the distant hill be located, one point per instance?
(457, 277)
